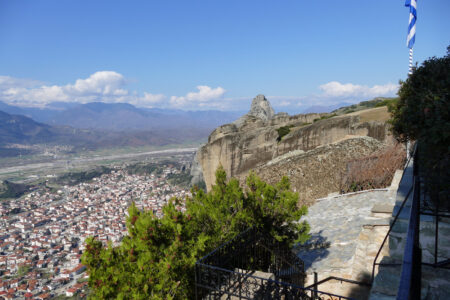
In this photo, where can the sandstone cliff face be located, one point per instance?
(317, 172)
(196, 171)
(251, 141)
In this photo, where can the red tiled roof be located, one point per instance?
(44, 296)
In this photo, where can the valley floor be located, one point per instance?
(32, 170)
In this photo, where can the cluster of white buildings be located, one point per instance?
(40, 247)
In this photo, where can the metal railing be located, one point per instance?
(253, 266)
(410, 279)
(405, 199)
(424, 202)
(219, 283)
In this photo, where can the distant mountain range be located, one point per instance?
(99, 125)
(123, 116)
(21, 130)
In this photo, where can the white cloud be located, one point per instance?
(104, 86)
(111, 87)
(337, 89)
(7, 82)
(201, 98)
(99, 83)
(148, 100)
(332, 93)
(153, 98)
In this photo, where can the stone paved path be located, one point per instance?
(336, 223)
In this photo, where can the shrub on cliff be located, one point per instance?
(373, 171)
(282, 131)
(156, 260)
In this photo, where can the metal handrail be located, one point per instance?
(395, 218)
(269, 280)
(389, 231)
(412, 259)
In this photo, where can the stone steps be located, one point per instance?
(435, 281)
(354, 232)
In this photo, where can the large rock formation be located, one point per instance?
(260, 109)
(254, 140)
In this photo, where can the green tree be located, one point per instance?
(156, 260)
(422, 113)
(23, 270)
(423, 109)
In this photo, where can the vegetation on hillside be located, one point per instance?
(10, 189)
(200, 185)
(389, 102)
(282, 131)
(285, 130)
(325, 117)
(423, 114)
(144, 168)
(377, 102)
(156, 260)
(182, 179)
(373, 171)
(73, 178)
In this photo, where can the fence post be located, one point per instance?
(195, 274)
(315, 285)
(417, 272)
(239, 285)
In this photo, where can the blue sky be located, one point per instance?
(211, 54)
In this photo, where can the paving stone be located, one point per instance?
(339, 221)
(382, 208)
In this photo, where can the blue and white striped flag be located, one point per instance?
(412, 22)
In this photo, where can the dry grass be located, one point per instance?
(374, 114)
(374, 171)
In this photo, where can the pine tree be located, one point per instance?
(157, 258)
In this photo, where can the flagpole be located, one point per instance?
(412, 4)
(410, 71)
(410, 61)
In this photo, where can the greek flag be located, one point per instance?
(412, 22)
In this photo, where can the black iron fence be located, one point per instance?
(430, 197)
(434, 194)
(253, 266)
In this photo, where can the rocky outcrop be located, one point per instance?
(253, 140)
(260, 109)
